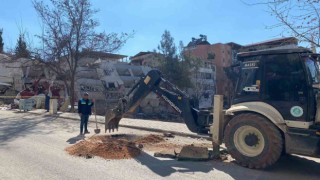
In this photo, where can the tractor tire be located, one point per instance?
(253, 141)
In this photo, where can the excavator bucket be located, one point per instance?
(113, 116)
(112, 120)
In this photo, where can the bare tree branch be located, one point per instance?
(300, 18)
(69, 30)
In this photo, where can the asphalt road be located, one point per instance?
(32, 147)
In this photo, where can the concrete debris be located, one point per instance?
(223, 151)
(195, 153)
(88, 156)
(166, 154)
(223, 157)
(5, 107)
(140, 146)
(177, 151)
(169, 135)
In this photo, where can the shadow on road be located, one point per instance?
(75, 139)
(288, 167)
(15, 127)
(296, 166)
(166, 167)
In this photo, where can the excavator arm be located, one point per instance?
(196, 121)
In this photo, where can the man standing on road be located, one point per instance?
(47, 101)
(84, 110)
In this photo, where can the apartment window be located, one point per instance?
(208, 76)
(211, 56)
(111, 85)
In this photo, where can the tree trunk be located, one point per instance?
(72, 93)
(68, 89)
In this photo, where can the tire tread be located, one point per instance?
(275, 141)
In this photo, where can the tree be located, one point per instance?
(1, 41)
(68, 33)
(175, 66)
(300, 18)
(197, 84)
(21, 48)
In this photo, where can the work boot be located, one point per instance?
(86, 132)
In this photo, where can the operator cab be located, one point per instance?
(284, 78)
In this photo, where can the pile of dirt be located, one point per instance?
(150, 139)
(112, 147)
(108, 148)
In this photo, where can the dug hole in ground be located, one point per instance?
(126, 146)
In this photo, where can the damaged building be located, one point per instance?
(203, 78)
(107, 76)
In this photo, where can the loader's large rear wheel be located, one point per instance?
(253, 141)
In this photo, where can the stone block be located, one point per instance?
(194, 153)
(165, 154)
(53, 106)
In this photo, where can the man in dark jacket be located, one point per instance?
(84, 110)
(47, 101)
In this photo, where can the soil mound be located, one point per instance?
(150, 139)
(118, 146)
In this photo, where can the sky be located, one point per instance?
(221, 20)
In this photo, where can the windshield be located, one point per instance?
(313, 69)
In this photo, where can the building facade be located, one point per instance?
(217, 57)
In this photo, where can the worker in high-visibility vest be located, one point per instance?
(84, 109)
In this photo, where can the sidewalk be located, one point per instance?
(142, 124)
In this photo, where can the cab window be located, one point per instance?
(284, 77)
(249, 83)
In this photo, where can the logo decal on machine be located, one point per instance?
(250, 65)
(296, 111)
(147, 79)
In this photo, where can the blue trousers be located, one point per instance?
(47, 103)
(84, 123)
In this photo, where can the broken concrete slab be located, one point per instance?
(194, 153)
(165, 154)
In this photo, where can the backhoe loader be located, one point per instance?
(275, 108)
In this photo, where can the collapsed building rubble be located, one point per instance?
(105, 76)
